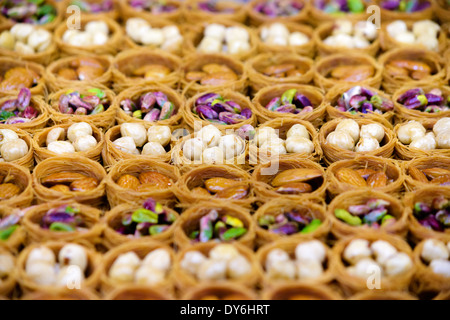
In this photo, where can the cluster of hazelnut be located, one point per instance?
(424, 32)
(135, 135)
(42, 268)
(152, 270)
(348, 133)
(359, 254)
(224, 262)
(345, 34)
(298, 140)
(308, 263)
(415, 135)
(278, 34)
(167, 38)
(95, 33)
(25, 38)
(79, 137)
(210, 146)
(218, 38)
(436, 254)
(11, 146)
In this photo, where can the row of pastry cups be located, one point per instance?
(117, 70)
(224, 291)
(334, 263)
(189, 11)
(328, 142)
(308, 41)
(120, 199)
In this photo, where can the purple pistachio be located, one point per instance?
(304, 101)
(77, 102)
(246, 132)
(207, 98)
(356, 101)
(161, 98)
(152, 116)
(247, 113)
(284, 229)
(23, 99)
(128, 105)
(30, 112)
(359, 210)
(434, 99)
(410, 94)
(206, 112)
(9, 105)
(273, 104)
(147, 101)
(287, 108)
(231, 118)
(235, 107)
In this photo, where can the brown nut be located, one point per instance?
(8, 190)
(295, 73)
(16, 78)
(89, 73)
(352, 73)
(294, 188)
(433, 173)
(61, 188)
(214, 68)
(411, 65)
(86, 62)
(62, 178)
(195, 75)
(68, 74)
(350, 176)
(235, 192)
(201, 192)
(276, 69)
(295, 175)
(85, 184)
(442, 180)
(218, 78)
(215, 185)
(366, 172)
(396, 71)
(155, 68)
(377, 180)
(128, 181)
(156, 179)
(417, 174)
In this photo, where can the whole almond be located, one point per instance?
(218, 78)
(276, 69)
(377, 180)
(433, 173)
(417, 174)
(8, 190)
(128, 181)
(295, 175)
(61, 188)
(215, 185)
(62, 178)
(235, 192)
(294, 188)
(366, 172)
(214, 67)
(201, 192)
(195, 75)
(350, 176)
(82, 185)
(155, 178)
